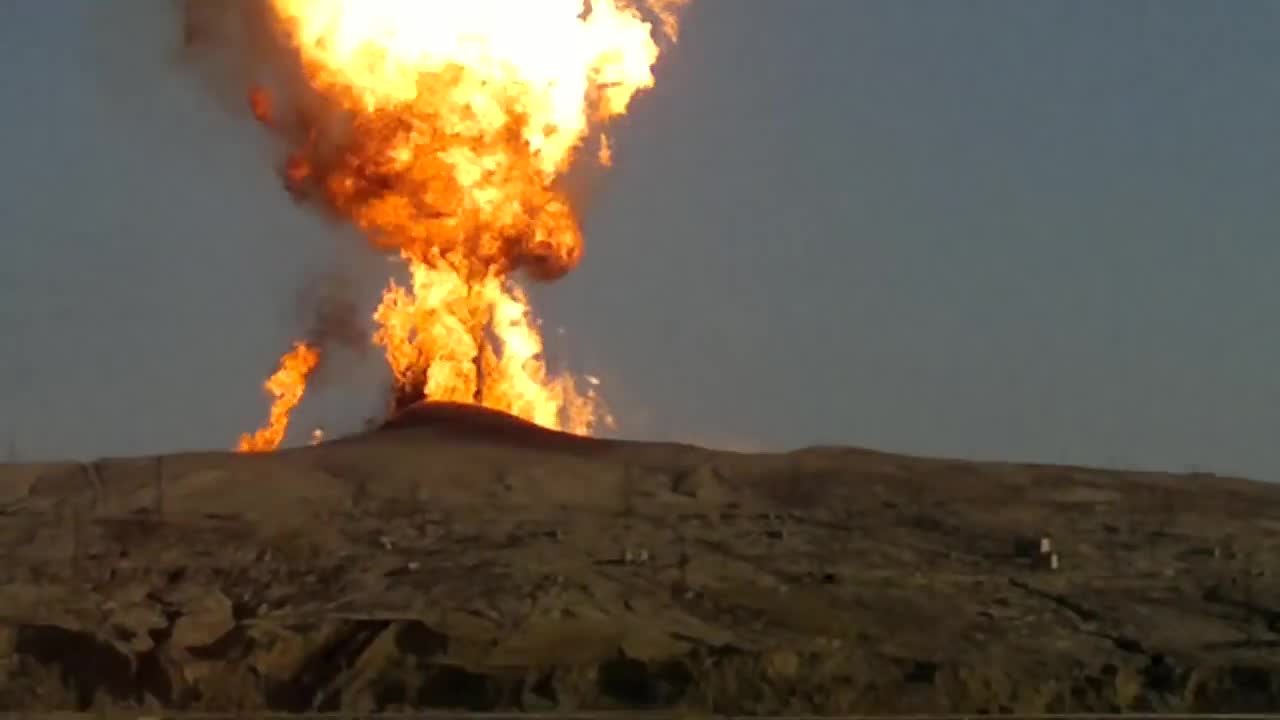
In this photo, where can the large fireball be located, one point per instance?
(457, 119)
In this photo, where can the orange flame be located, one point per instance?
(458, 120)
(286, 385)
(605, 154)
(260, 105)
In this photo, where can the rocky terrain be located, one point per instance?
(456, 559)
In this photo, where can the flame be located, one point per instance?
(668, 12)
(260, 105)
(286, 386)
(605, 154)
(458, 120)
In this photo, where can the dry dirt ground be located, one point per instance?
(462, 560)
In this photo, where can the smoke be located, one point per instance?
(334, 318)
(336, 322)
(244, 63)
(667, 15)
(229, 47)
(238, 53)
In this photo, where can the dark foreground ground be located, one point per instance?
(464, 561)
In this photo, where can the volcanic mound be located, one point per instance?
(476, 423)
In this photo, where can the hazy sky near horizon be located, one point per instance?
(1025, 230)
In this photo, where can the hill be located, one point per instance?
(457, 558)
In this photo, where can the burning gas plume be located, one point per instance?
(285, 386)
(441, 128)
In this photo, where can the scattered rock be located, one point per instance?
(700, 483)
(783, 664)
(203, 621)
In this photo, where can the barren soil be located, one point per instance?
(458, 559)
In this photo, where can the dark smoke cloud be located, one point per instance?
(336, 323)
(228, 45)
(334, 319)
(243, 62)
(248, 65)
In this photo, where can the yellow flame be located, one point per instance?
(286, 386)
(550, 55)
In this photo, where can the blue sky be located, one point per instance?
(1024, 230)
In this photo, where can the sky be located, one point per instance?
(1017, 230)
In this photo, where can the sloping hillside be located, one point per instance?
(464, 560)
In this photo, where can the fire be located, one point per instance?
(286, 386)
(458, 119)
(605, 154)
(260, 105)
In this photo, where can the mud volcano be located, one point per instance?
(476, 423)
